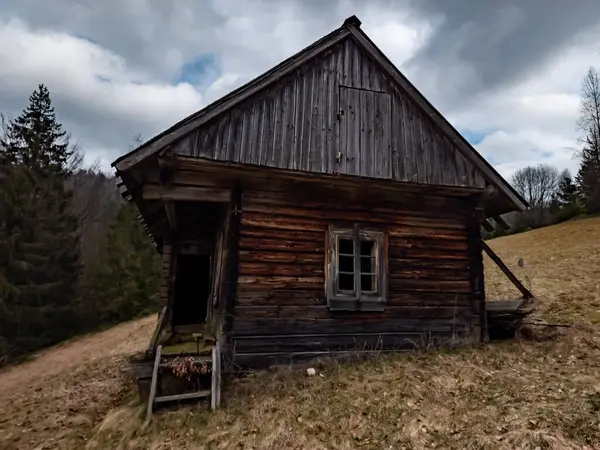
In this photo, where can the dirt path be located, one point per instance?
(58, 396)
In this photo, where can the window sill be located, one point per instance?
(335, 305)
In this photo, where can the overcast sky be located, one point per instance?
(506, 73)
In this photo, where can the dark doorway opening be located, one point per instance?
(192, 288)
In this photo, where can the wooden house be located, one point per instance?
(325, 206)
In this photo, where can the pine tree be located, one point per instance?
(38, 231)
(35, 138)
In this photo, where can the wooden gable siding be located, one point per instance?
(281, 313)
(295, 125)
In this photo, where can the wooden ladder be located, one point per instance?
(214, 393)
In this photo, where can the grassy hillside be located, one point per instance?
(513, 394)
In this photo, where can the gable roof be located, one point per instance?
(349, 29)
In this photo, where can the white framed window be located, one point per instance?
(356, 269)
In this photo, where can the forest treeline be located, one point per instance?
(73, 256)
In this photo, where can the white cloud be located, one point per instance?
(97, 87)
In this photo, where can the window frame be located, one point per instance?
(356, 300)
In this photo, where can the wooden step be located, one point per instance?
(214, 393)
(179, 397)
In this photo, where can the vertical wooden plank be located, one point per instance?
(461, 168)
(246, 132)
(418, 146)
(334, 108)
(342, 163)
(367, 160)
(376, 160)
(325, 112)
(354, 132)
(365, 66)
(297, 129)
(307, 118)
(409, 146)
(218, 138)
(255, 133)
(346, 64)
(275, 146)
(383, 136)
(355, 74)
(317, 118)
(397, 132)
(376, 77)
(228, 136)
(267, 129)
(289, 111)
(427, 157)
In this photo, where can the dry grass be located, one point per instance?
(509, 395)
(55, 399)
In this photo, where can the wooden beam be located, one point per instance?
(502, 222)
(524, 291)
(487, 225)
(264, 178)
(185, 193)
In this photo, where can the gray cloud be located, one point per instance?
(483, 45)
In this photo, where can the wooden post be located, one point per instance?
(476, 274)
(215, 395)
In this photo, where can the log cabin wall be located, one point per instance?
(281, 312)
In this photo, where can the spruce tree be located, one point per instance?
(35, 138)
(38, 231)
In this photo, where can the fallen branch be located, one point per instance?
(558, 325)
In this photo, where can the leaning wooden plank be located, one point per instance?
(153, 383)
(502, 222)
(180, 397)
(526, 293)
(487, 225)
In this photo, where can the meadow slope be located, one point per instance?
(514, 394)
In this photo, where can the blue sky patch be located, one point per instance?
(547, 155)
(202, 70)
(474, 137)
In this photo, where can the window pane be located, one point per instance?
(346, 247)
(367, 248)
(346, 282)
(368, 283)
(367, 264)
(346, 264)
